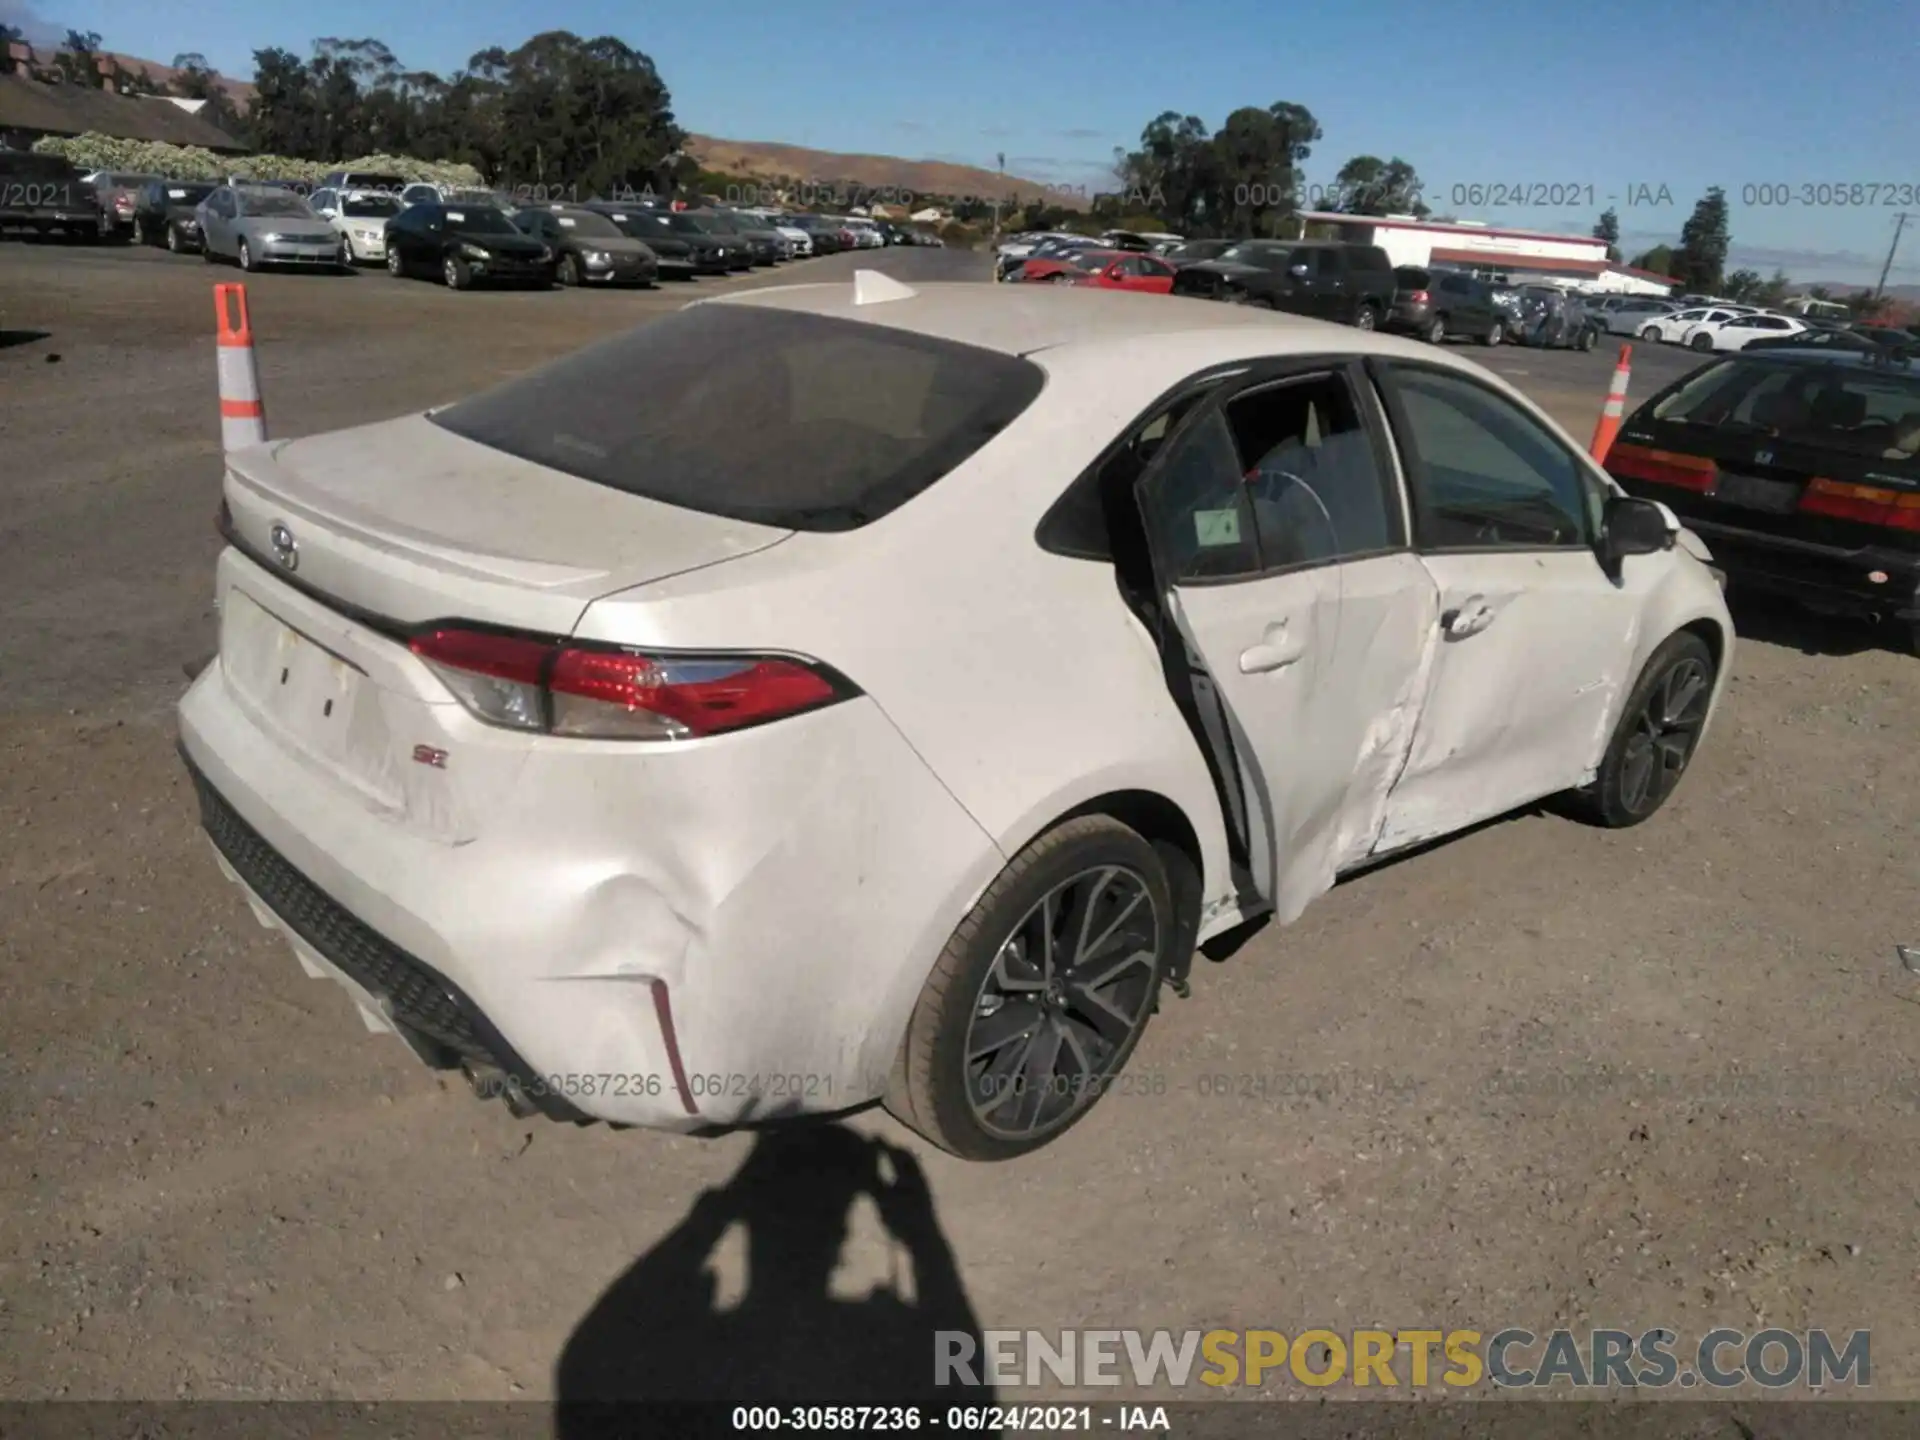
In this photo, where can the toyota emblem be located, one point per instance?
(285, 550)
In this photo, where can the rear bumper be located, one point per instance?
(1822, 575)
(306, 253)
(733, 931)
(1405, 316)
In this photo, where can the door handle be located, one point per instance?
(1276, 650)
(1470, 618)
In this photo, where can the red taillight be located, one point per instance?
(1420, 297)
(1662, 467)
(609, 693)
(1868, 504)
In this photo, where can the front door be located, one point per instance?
(1534, 638)
(1279, 541)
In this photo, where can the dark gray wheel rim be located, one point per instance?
(453, 273)
(1436, 332)
(1060, 1006)
(393, 262)
(245, 256)
(1364, 320)
(173, 239)
(1663, 735)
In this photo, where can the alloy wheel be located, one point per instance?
(1664, 734)
(1060, 1005)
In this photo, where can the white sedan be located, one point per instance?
(1673, 327)
(360, 218)
(886, 704)
(1737, 331)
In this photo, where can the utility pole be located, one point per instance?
(1000, 160)
(1880, 289)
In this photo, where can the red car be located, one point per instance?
(1104, 270)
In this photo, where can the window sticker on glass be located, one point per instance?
(1216, 527)
(457, 216)
(176, 194)
(565, 223)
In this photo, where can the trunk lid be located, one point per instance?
(410, 522)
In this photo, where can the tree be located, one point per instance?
(1368, 185)
(1242, 180)
(1864, 304)
(1660, 260)
(1819, 292)
(1742, 285)
(1775, 290)
(1702, 256)
(78, 60)
(1608, 229)
(195, 79)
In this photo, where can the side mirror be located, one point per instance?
(1634, 527)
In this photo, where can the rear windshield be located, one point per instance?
(368, 207)
(1859, 410)
(798, 421)
(1412, 277)
(36, 167)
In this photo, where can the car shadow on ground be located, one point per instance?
(1773, 620)
(660, 1332)
(10, 338)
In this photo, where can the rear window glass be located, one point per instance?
(798, 421)
(1411, 277)
(1865, 412)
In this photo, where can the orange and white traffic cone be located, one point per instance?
(243, 419)
(1614, 410)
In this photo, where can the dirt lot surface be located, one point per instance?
(1541, 1075)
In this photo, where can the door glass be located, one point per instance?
(1317, 492)
(1486, 474)
(1197, 508)
(1329, 264)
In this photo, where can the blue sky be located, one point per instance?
(1607, 94)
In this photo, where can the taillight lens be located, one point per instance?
(609, 693)
(1420, 297)
(1662, 467)
(1869, 504)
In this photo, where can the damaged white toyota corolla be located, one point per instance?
(846, 692)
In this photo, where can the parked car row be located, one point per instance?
(1333, 280)
(359, 217)
(466, 237)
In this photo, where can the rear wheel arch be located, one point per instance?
(1163, 824)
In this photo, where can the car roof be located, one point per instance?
(1023, 319)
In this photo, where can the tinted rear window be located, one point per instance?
(782, 419)
(1867, 412)
(1412, 277)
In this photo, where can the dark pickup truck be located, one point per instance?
(45, 193)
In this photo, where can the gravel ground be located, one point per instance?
(1540, 1075)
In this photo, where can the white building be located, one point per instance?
(1578, 262)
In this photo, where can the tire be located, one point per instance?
(1659, 728)
(457, 273)
(396, 266)
(206, 251)
(174, 243)
(1588, 340)
(245, 253)
(993, 1110)
(568, 273)
(1495, 333)
(1651, 334)
(1701, 343)
(1365, 318)
(1436, 332)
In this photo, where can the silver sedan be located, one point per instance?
(265, 225)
